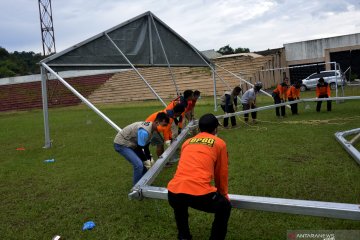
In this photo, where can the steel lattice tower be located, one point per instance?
(47, 28)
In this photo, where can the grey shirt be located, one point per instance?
(249, 96)
(129, 135)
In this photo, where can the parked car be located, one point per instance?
(331, 77)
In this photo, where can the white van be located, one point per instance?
(331, 77)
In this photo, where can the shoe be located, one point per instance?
(169, 164)
(254, 121)
(174, 160)
(147, 164)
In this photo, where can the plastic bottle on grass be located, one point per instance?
(49, 161)
(88, 225)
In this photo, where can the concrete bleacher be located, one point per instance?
(125, 86)
(128, 86)
(21, 96)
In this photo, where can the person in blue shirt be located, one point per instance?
(132, 143)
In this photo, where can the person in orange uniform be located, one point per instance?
(293, 94)
(183, 100)
(189, 111)
(157, 139)
(323, 91)
(203, 159)
(280, 96)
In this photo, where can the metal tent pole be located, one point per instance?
(167, 61)
(282, 205)
(89, 104)
(45, 108)
(348, 145)
(197, 52)
(336, 84)
(243, 79)
(215, 97)
(135, 69)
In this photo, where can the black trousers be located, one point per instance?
(318, 105)
(233, 119)
(210, 203)
(294, 106)
(246, 115)
(277, 100)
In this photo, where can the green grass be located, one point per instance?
(295, 157)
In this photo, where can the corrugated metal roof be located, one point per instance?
(253, 55)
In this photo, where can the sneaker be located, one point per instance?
(169, 164)
(147, 164)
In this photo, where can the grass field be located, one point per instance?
(296, 157)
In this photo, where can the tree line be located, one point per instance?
(226, 50)
(18, 63)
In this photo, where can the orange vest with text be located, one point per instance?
(203, 159)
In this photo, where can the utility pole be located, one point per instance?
(47, 28)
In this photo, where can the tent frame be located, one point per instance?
(143, 189)
(349, 145)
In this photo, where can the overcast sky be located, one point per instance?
(206, 24)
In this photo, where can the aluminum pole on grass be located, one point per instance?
(45, 107)
(293, 206)
(281, 205)
(348, 145)
(167, 61)
(135, 69)
(89, 104)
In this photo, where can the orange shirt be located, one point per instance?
(171, 106)
(323, 90)
(166, 130)
(191, 105)
(203, 158)
(281, 89)
(293, 92)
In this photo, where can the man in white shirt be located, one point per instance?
(248, 101)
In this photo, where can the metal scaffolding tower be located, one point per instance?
(47, 28)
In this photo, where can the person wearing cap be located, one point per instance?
(293, 94)
(323, 91)
(133, 141)
(229, 104)
(203, 160)
(248, 101)
(280, 96)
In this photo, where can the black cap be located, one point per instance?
(208, 122)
